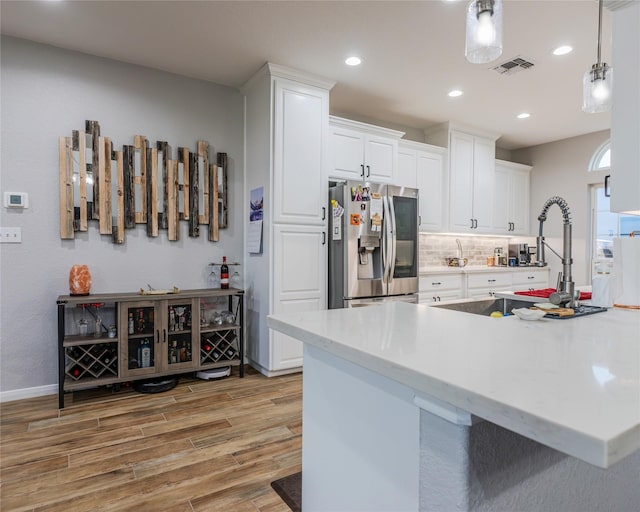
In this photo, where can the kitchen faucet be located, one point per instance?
(565, 290)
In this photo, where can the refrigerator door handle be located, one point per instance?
(392, 262)
(385, 240)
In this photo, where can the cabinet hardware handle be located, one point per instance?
(530, 277)
(471, 223)
(607, 186)
(324, 212)
(324, 238)
(368, 171)
(164, 335)
(157, 336)
(491, 280)
(362, 172)
(436, 284)
(419, 220)
(475, 223)
(439, 299)
(434, 299)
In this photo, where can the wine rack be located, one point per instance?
(94, 361)
(219, 345)
(132, 337)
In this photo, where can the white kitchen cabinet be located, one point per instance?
(485, 284)
(625, 109)
(360, 151)
(434, 288)
(287, 120)
(297, 249)
(422, 166)
(530, 279)
(511, 199)
(299, 153)
(471, 177)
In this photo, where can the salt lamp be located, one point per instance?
(79, 280)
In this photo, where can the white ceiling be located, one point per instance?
(413, 54)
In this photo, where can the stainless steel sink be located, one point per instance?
(486, 306)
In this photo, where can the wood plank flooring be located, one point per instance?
(202, 446)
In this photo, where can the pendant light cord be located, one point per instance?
(599, 30)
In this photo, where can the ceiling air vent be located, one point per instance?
(513, 66)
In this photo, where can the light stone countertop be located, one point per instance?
(573, 385)
(472, 269)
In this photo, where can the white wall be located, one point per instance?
(560, 169)
(48, 92)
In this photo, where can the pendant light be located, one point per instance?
(484, 31)
(597, 83)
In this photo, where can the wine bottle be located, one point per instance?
(75, 372)
(131, 323)
(141, 324)
(173, 353)
(224, 274)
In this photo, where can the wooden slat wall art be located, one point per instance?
(222, 190)
(194, 230)
(183, 156)
(173, 215)
(65, 169)
(118, 229)
(128, 154)
(126, 187)
(104, 185)
(93, 129)
(152, 192)
(203, 153)
(166, 153)
(213, 203)
(140, 144)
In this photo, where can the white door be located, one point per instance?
(430, 177)
(406, 171)
(346, 150)
(520, 203)
(461, 180)
(380, 158)
(503, 202)
(299, 179)
(484, 165)
(299, 284)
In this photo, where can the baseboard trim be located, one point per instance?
(19, 394)
(273, 373)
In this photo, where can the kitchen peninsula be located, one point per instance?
(410, 407)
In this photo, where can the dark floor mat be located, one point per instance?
(289, 489)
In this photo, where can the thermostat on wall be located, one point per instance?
(16, 200)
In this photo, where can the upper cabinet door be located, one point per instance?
(484, 165)
(431, 184)
(346, 154)
(380, 156)
(461, 176)
(407, 168)
(299, 159)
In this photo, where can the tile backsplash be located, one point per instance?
(434, 249)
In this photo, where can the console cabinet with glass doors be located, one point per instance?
(146, 336)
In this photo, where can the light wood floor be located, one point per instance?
(202, 446)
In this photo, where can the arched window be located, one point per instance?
(601, 159)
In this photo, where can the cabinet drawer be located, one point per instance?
(439, 296)
(489, 279)
(440, 282)
(535, 278)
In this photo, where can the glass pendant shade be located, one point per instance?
(597, 86)
(484, 31)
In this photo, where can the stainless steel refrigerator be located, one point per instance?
(373, 244)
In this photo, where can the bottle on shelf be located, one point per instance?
(145, 354)
(224, 274)
(131, 329)
(75, 372)
(173, 353)
(141, 324)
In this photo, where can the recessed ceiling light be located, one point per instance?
(524, 115)
(353, 61)
(562, 50)
(455, 93)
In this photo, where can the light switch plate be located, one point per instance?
(11, 235)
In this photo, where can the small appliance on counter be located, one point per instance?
(521, 253)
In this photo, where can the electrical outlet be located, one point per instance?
(11, 235)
